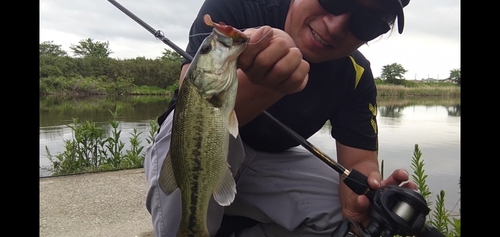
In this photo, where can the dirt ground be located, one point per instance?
(100, 204)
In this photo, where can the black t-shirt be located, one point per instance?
(342, 91)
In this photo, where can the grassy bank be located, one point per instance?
(411, 88)
(79, 85)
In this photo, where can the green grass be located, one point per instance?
(149, 90)
(79, 85)
(402, 91)
(416, 88)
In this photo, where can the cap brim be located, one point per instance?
(398, 8)
(401, 20)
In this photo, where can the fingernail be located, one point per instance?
(376, 182)
(406, 172)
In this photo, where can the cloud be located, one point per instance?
(429, 45)
(434, 18)
(68, 22)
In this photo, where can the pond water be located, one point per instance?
(433, 124)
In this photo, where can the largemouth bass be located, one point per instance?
(203, 122)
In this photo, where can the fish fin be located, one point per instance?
(226, 190)
(167, 178)
(233, 124)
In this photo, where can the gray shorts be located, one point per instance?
(291, 193)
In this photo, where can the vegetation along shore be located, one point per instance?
(92, 72)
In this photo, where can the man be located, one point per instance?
(302, 66)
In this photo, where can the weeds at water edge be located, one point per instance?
(91, 150)
(439, 217)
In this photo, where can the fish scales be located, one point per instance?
(204, 120)
(203, 138)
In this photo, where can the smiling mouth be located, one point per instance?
(318, 38)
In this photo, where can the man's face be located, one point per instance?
(319, 35)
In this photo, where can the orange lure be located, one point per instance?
(228, 30)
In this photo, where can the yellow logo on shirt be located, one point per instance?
(373, 109)
(359, 71)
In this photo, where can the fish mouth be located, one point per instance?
(318, 38)
(229, 41)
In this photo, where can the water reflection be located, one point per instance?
(392, 111)
(454, 110)
(392, 107)
(56, 111)
(432, 126)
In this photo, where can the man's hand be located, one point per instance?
(272, 60)
(357, 206)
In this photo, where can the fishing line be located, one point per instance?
(262, 38)
(200, 34)
(243, 29)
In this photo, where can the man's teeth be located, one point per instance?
(317, 37)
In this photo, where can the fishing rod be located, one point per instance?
(160, 35)
(157, 33)
(394, 210)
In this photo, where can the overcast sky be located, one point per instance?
(428, 47)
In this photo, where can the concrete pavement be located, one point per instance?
(99, 204)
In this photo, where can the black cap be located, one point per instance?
(399, 4)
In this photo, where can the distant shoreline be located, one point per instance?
(447, 90)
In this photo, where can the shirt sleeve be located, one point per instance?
(354, 123)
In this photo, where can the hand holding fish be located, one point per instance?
(272, 60)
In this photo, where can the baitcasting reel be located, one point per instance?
(394, 211)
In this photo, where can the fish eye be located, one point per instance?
(205, 48)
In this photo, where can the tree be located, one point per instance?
(89, 48)
(171, 55)
(48, 48)
(455, 75)
(393, 73)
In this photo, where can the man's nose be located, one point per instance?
(337, 25)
